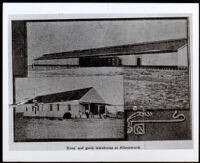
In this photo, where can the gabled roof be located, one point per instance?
(61, 96)
(162, 46)
(92, 96)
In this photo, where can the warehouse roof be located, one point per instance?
(61, 96)
(163, 46)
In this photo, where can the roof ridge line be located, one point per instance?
(67, 91)
(116, 46)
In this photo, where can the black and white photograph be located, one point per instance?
(119, 82)
(151, 55)
(69, 108)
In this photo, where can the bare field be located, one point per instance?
(156, 88)
(73, 71)
(36, 129)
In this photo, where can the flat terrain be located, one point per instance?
(42, 71)
(31, 129)
(156, 88)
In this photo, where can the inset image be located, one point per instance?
(78, 108)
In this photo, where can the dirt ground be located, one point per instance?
(39, 129)
(156, 89)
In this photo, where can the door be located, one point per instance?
(138, 61)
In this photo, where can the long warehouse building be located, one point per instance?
(172, 53)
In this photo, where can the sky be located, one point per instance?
(110, 89)
(54, 37)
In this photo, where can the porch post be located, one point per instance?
(89, 107)
(105, 110)
(99, 111)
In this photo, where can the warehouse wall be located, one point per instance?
(128, 60)
(182, 56)
(70, 61)
(160, 59)
(44, 110)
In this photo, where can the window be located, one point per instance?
(51, 107)
(32, 108)
(37, 108)
(26, 109)
(58, 107)
(69, 107)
